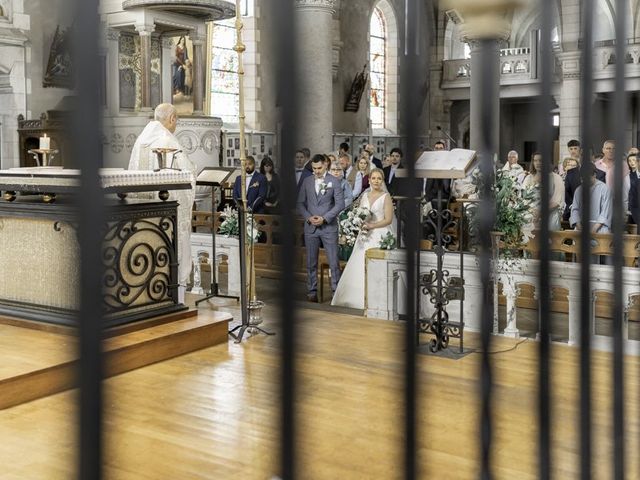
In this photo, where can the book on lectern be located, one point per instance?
(216, 175)
(456, 163)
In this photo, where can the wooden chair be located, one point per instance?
(324, 268)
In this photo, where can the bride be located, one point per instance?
(350, 291)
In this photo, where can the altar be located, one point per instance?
(39, 249)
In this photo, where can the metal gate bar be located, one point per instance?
(87, 155)
(489, 78)
(288, 95)
(619, 113)
(546, 148)
(586, 133)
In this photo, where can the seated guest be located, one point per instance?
(600, 214)
(273, 185)
(336, 171)
(634, 185)
(390, 171)
(256, 187)
(359, 177)
(556, 191)
(572, 181)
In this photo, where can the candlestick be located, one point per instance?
(45, 142)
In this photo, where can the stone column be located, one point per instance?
(315, 64)
(511, 290)
(199, 61)
(476, 94)
(569, 99)
(574, 315)
(145, 65)
(113, 72)
(483, 27)
(168, 52)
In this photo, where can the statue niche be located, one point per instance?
(357, 89)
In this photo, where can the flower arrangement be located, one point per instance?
(515, 209)
(350, 224)
(231, 226)
(388, 242)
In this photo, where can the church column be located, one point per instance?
(483, 29)
(314, 22)
(477, 94)
(145, 31)
(113, 72)
(198, 79)
(168, 52)
(569, 99)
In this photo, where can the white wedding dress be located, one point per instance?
(350, 290)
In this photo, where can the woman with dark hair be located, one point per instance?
(267, 168)
(556, 191)
(179, 67)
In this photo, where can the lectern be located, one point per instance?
(438, 284)
(214, 177)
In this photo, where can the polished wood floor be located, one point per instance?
(213, 414)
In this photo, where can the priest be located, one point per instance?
(159, 133)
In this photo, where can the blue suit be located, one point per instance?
(328, 204)
(256, 193)
(303, 174)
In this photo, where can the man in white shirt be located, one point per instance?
(159, 133)
(608, 164)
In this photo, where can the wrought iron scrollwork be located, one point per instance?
(139, 256)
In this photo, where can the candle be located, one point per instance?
(45, 142)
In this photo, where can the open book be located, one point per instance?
(456, 163)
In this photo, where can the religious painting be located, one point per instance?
(59, 71)
(352, 103)
(182, 74)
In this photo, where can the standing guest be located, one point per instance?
(600, 214)
(307, 159)
(439, 145)
(371, 150)
(572, 181)
(567, 164)
(634, 185)
(301, 172)
(332, 158)
(273, 185)
(160, 133)
(556, 191)
(390, 171)
(386, 161)
(319, 202)
(336, 171)
(513, 167)
(575, 152)
(359, 177)
(608, 163)
(255, 185)
(345, 163)
(343, 149)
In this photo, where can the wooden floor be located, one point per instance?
(213, 414)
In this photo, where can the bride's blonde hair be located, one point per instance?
(379, 170)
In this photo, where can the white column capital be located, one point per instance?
(197, 39)
(144, 29)
(113, 34)
(328, 6)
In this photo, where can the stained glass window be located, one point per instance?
(224, 72)
(377, 67)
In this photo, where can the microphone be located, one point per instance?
(446, 134)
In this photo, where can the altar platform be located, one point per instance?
(41, 359)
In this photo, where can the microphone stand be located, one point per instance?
(446, 134)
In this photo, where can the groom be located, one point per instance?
(320, 200)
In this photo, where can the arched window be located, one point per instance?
(378, 68)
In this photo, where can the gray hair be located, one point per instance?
(164, 111)
(512, 152)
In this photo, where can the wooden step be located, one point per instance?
(38, 362)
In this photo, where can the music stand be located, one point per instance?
(214, 177)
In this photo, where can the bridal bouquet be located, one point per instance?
(350, 224)
(231, 226)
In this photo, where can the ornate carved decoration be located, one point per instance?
(325, 5)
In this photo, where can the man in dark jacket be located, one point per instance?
(256, 185)
(571, 182)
